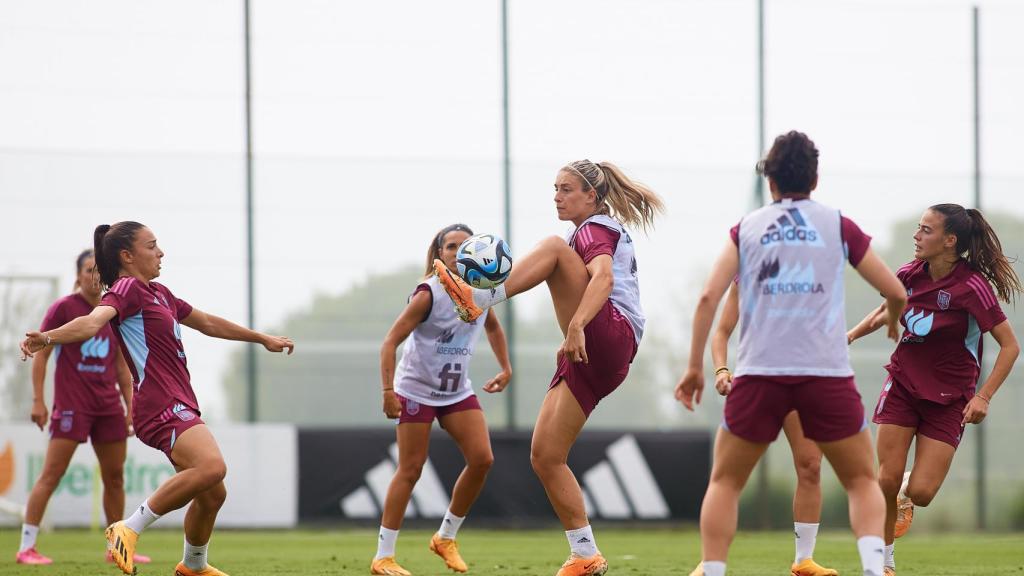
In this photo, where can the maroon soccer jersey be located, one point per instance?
(593, 240)
(85, 377)
(937, 357)
(147, 320)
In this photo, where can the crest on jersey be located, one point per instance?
(943, 300)
(412, 407)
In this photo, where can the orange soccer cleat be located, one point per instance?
(460, 292)
(121, 545)
(888, 571)
(449, 551)
(182, 570)
(138, 558)
(388, 567)
(808, 567)
(577, 565)
(904, 509)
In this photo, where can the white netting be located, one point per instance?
(23, 302)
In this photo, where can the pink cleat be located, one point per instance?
(139, 558)
(31, 556)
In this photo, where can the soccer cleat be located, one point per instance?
(449, 551)
(698, 571)
(888, 571)
(139, 558)
(577, 565)
(904, 508)
(31, 556)
(388, 567)
(808, 567)
(121, 545)
(182, 570)
(460, 292)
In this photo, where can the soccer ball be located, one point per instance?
(483, 260)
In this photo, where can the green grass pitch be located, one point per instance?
(632, 552)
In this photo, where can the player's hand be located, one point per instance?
(975, 411)
(690, 388)
(498, 383)
(392, 406)
(574, 346)
(278, 344)
(39, 413)
(723, 383)
(34, 342)
(893, 332)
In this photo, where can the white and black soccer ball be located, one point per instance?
(484, 260)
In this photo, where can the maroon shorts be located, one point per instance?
(413, 411)
(942, 422)
(163, 431)
(611, 347)
(77, 426)
(830, 408)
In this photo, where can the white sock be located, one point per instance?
(581, 541)
(890, 555)
(714, 568)
(487, 297)
(386, 543)
(28, 536)
(806, 534)
(872, 554)
(450, 525)
(142, 518)
(195, 556)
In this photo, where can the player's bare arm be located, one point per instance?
(217, 327)
(78, 330)
(496, 338)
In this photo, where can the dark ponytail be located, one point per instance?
(977, 243)
(108, 241)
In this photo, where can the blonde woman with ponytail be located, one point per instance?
(954, 284)
(592, 277)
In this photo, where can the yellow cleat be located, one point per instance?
(808, 567)
(182, 570)
(904, 509)
(579, 566)
(698, 571)
(121, 545)
(460, 292)
(887, 571)
(388, 567)
(448, 550)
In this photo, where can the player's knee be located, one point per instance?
(808, 471)
(48, 481)
(481, 462)
(213, 473)
(113, 479)
(544, 461)
(921, 495)
(890, 484)
(410, 471)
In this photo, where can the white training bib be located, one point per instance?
(434, 369)
(625, 294)
(792, 320)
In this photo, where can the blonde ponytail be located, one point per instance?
(633, 203)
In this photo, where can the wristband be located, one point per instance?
(48, 340)
(388, 389)
(721, 369)
(979, 395)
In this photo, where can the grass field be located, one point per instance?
(519, 553)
